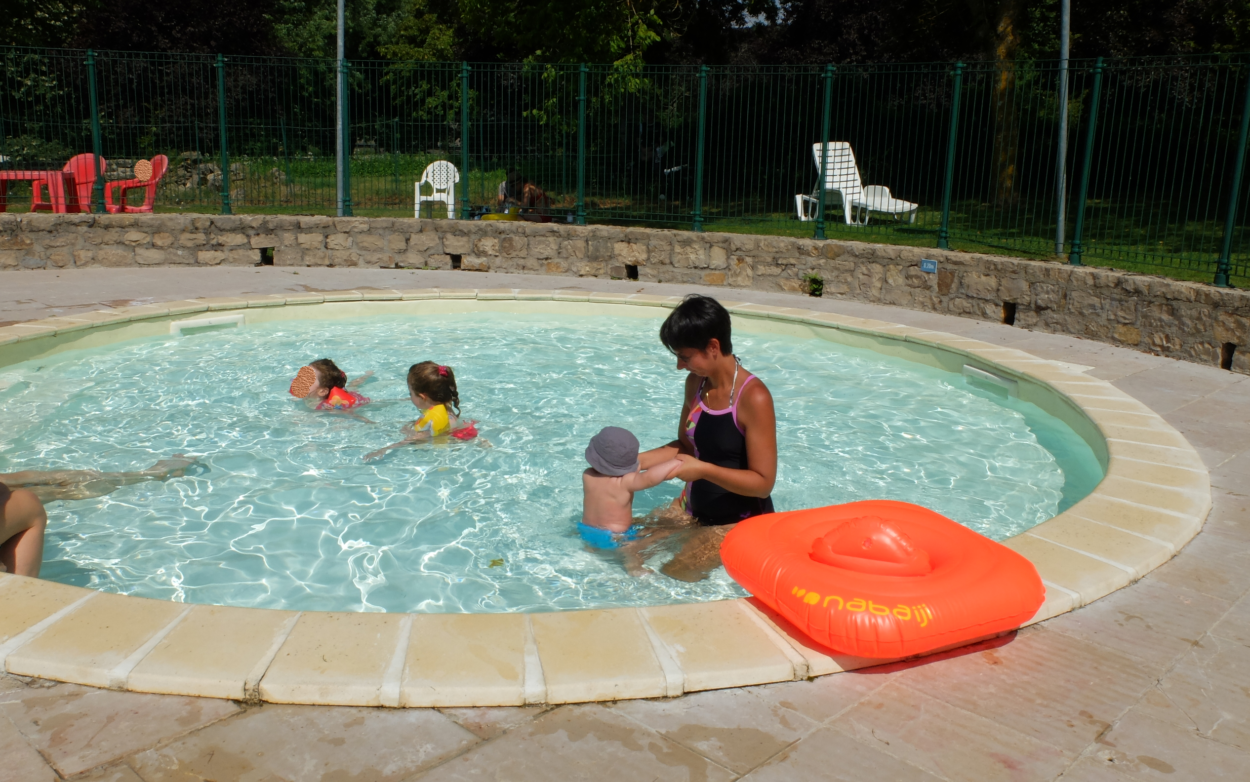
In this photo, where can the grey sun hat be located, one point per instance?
(614, 451)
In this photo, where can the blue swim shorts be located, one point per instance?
(603, 538)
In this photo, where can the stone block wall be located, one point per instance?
(1190, 321)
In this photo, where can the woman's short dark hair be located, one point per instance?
(695, 323)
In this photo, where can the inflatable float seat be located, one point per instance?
(881, 578)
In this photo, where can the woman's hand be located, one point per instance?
(691, 469)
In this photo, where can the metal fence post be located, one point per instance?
(286, 152)
(464, 141)
(824, 153)
(944, 232)
(581, 145)
(345, 119)
(1223, 267)
(1078, 230)
(97, 190)
(698, 162)
(221, 130)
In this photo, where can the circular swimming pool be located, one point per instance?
(284, 512)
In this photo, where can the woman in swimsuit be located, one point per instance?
(727, 438)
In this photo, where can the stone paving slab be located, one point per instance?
(582, 742)
(348, 743)
(78, 728)
(1190, 725)
(947, 741)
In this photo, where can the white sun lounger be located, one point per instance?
(845, 190)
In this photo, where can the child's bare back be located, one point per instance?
(608, 500)
(608, 486)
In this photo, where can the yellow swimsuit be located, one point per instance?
(436, 421)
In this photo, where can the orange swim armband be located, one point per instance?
(881, 578)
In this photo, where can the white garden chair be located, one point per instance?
(442, 176)
(845, 190)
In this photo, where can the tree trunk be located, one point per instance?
(1006, 113)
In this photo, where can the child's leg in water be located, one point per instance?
(85, 484)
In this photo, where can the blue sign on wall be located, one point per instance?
(929, 266)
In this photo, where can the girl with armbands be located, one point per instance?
(432, 388)
(323, 386)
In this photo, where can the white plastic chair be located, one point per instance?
(844, 189)
(442, 176)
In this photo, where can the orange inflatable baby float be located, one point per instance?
(882, 578)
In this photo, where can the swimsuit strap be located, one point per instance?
(734, 408)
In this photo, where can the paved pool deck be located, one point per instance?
(1151, 682)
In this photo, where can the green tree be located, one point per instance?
(41, 22)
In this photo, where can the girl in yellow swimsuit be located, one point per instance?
(432, 388)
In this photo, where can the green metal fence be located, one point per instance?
(1152, 178)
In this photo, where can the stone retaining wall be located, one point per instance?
(1190, 321)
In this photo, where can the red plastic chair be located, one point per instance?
(79, 174)
(160, 164)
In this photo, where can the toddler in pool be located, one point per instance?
(432, 388)
(608, 487)
(323, 386)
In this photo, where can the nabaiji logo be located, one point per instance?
(921, 613)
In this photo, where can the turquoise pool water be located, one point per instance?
(287, 515)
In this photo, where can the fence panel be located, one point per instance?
(722, 148)
(45, 115)
(1163, 158)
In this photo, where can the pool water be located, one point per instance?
(286, 514)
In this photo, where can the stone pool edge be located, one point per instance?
(1152, 501)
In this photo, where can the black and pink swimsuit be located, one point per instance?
(719, 440)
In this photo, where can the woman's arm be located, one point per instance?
(682, 445)
(759, 425)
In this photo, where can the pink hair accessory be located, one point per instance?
(442, 371)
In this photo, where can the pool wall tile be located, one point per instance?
(1058, 601)
(225, 303)
(68, 324)
(380, 294)
(304, 298)
(496, 294)
(352, 295)
(652, 300)
(1169, 528)
(1160, 475)
(334, 658)
(1186, 502)
(144, 311)
(1187, 458)
(465, 659)
(1135, 553)
(602, 655)
(1080, 573)
(416, 294)
(211, 652)
(25, 602)
(89, 644)
(271, 300)
(717, 645)
(186, 306)
(1150, 436)
(609, 298)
